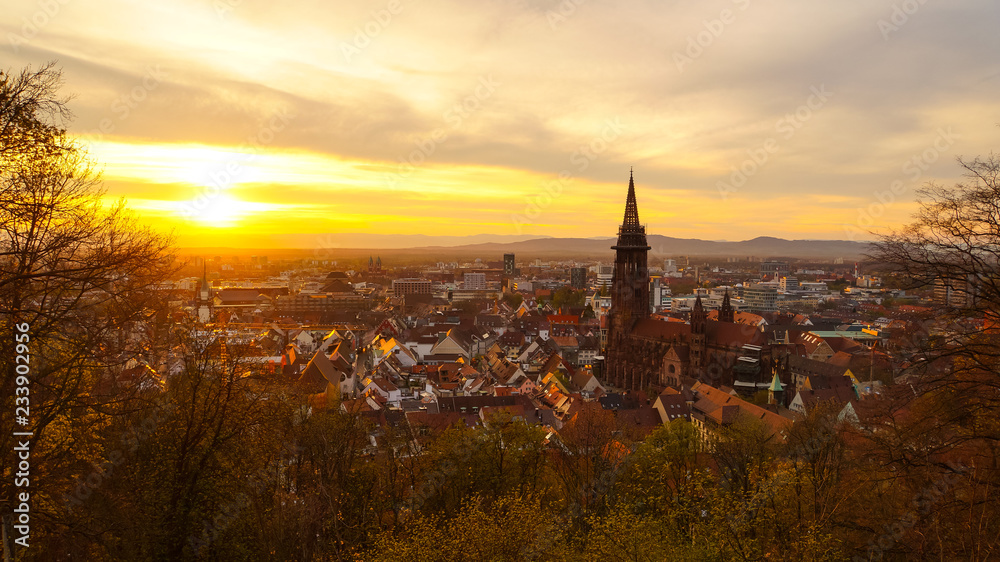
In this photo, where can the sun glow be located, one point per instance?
(218, 211)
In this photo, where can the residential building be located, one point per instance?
(412, 286)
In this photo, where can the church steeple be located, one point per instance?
(629, 292)
(631, 234)
(204, 297)
(726, 313)
(776, 392)
(204, 289)
(630, 282)
(631, 209)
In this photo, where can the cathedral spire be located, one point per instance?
(631, 209)
(631, 234)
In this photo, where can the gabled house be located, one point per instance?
(385, 348)
(383, 387)
(671, 405)
(453, 344)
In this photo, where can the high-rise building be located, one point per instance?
(761, 298)
(605, 274)
(508, 265)
(578, 277)
(955, 293)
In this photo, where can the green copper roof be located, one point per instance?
(776, 384)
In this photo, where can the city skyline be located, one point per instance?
(234, 123)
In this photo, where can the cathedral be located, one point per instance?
(645, 353)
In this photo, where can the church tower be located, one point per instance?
(699, 319)
(726, 313)
(204, 298)
(629, 291)
(776, 392)
(630, 280)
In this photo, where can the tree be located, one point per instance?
(567, 296)
(954, 247)
(927, 432)
(81, 277)
(513, 300)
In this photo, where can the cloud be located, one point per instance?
(369, 83)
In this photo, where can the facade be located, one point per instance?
(604, 275)
(578, 277)
(788, 284)
(760, 298)
(475, 281)
(776, 269)
(321, 303)
(411, 286)
(955, 293)
(660, 296)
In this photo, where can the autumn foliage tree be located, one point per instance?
(78, 272)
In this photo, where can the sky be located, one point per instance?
(251, 123)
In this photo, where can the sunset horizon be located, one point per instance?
(798, 122)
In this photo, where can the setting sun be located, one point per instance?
(219, 210)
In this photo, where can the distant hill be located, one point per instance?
(356, 246)
(763, 246)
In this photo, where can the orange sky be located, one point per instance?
(236, 121)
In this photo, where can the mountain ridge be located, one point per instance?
(550, 247)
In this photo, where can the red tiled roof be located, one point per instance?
(723, 408)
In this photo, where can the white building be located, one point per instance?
(475, 281)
